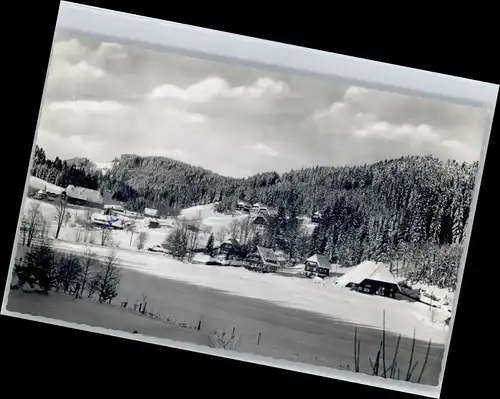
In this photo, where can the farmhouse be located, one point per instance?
(84, 197)
(317, 266)
(316, 217)
(260, 222)
(151, 212)
(243, 206)
(262, 260)
(230, 247)
(371, 277)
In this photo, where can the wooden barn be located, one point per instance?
(371, 278)
(84, 197)
(317, 266)
(263, 260)
(229, 248)
(151, 223)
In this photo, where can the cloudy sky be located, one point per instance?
(103, 99)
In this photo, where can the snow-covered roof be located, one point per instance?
(39, 184)
(85, 194)
(151, 212)
(266, 253)
(232, 241)
(261, 216)
(368, 270)
(321, 261)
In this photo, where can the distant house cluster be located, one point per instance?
(256, 209)
(114, 213)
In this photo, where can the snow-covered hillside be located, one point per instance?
(104, 167)
(39, 184)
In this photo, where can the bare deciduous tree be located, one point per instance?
(141, 239)
(44, 231)
(91, 238)
(109, 279)
(33, 223)
(234, 229)
(88, 216)
(69, 272)
(93, 285)
(106, 236)
(60, 215)
(193, 239)
(221, 235)
(67, 218)
(131, 228)
(78, 234)
(89, 262)
(24, 229)
(246, 228)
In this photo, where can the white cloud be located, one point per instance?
(68, 48)
(213, 87)
(170, 113)
(64, 70)
(464, 151)
(234, 120)
(264, 149)
(389, 131)
(364, 115)
(69, 146)
(113, 51)
(87, 107)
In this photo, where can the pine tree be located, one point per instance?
(210, 245)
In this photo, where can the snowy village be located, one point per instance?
(247, 213)
(71, 228)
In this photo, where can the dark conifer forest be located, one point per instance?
(411, 212)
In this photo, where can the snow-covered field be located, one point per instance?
(320, 296)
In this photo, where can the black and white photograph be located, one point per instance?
(246, 211)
